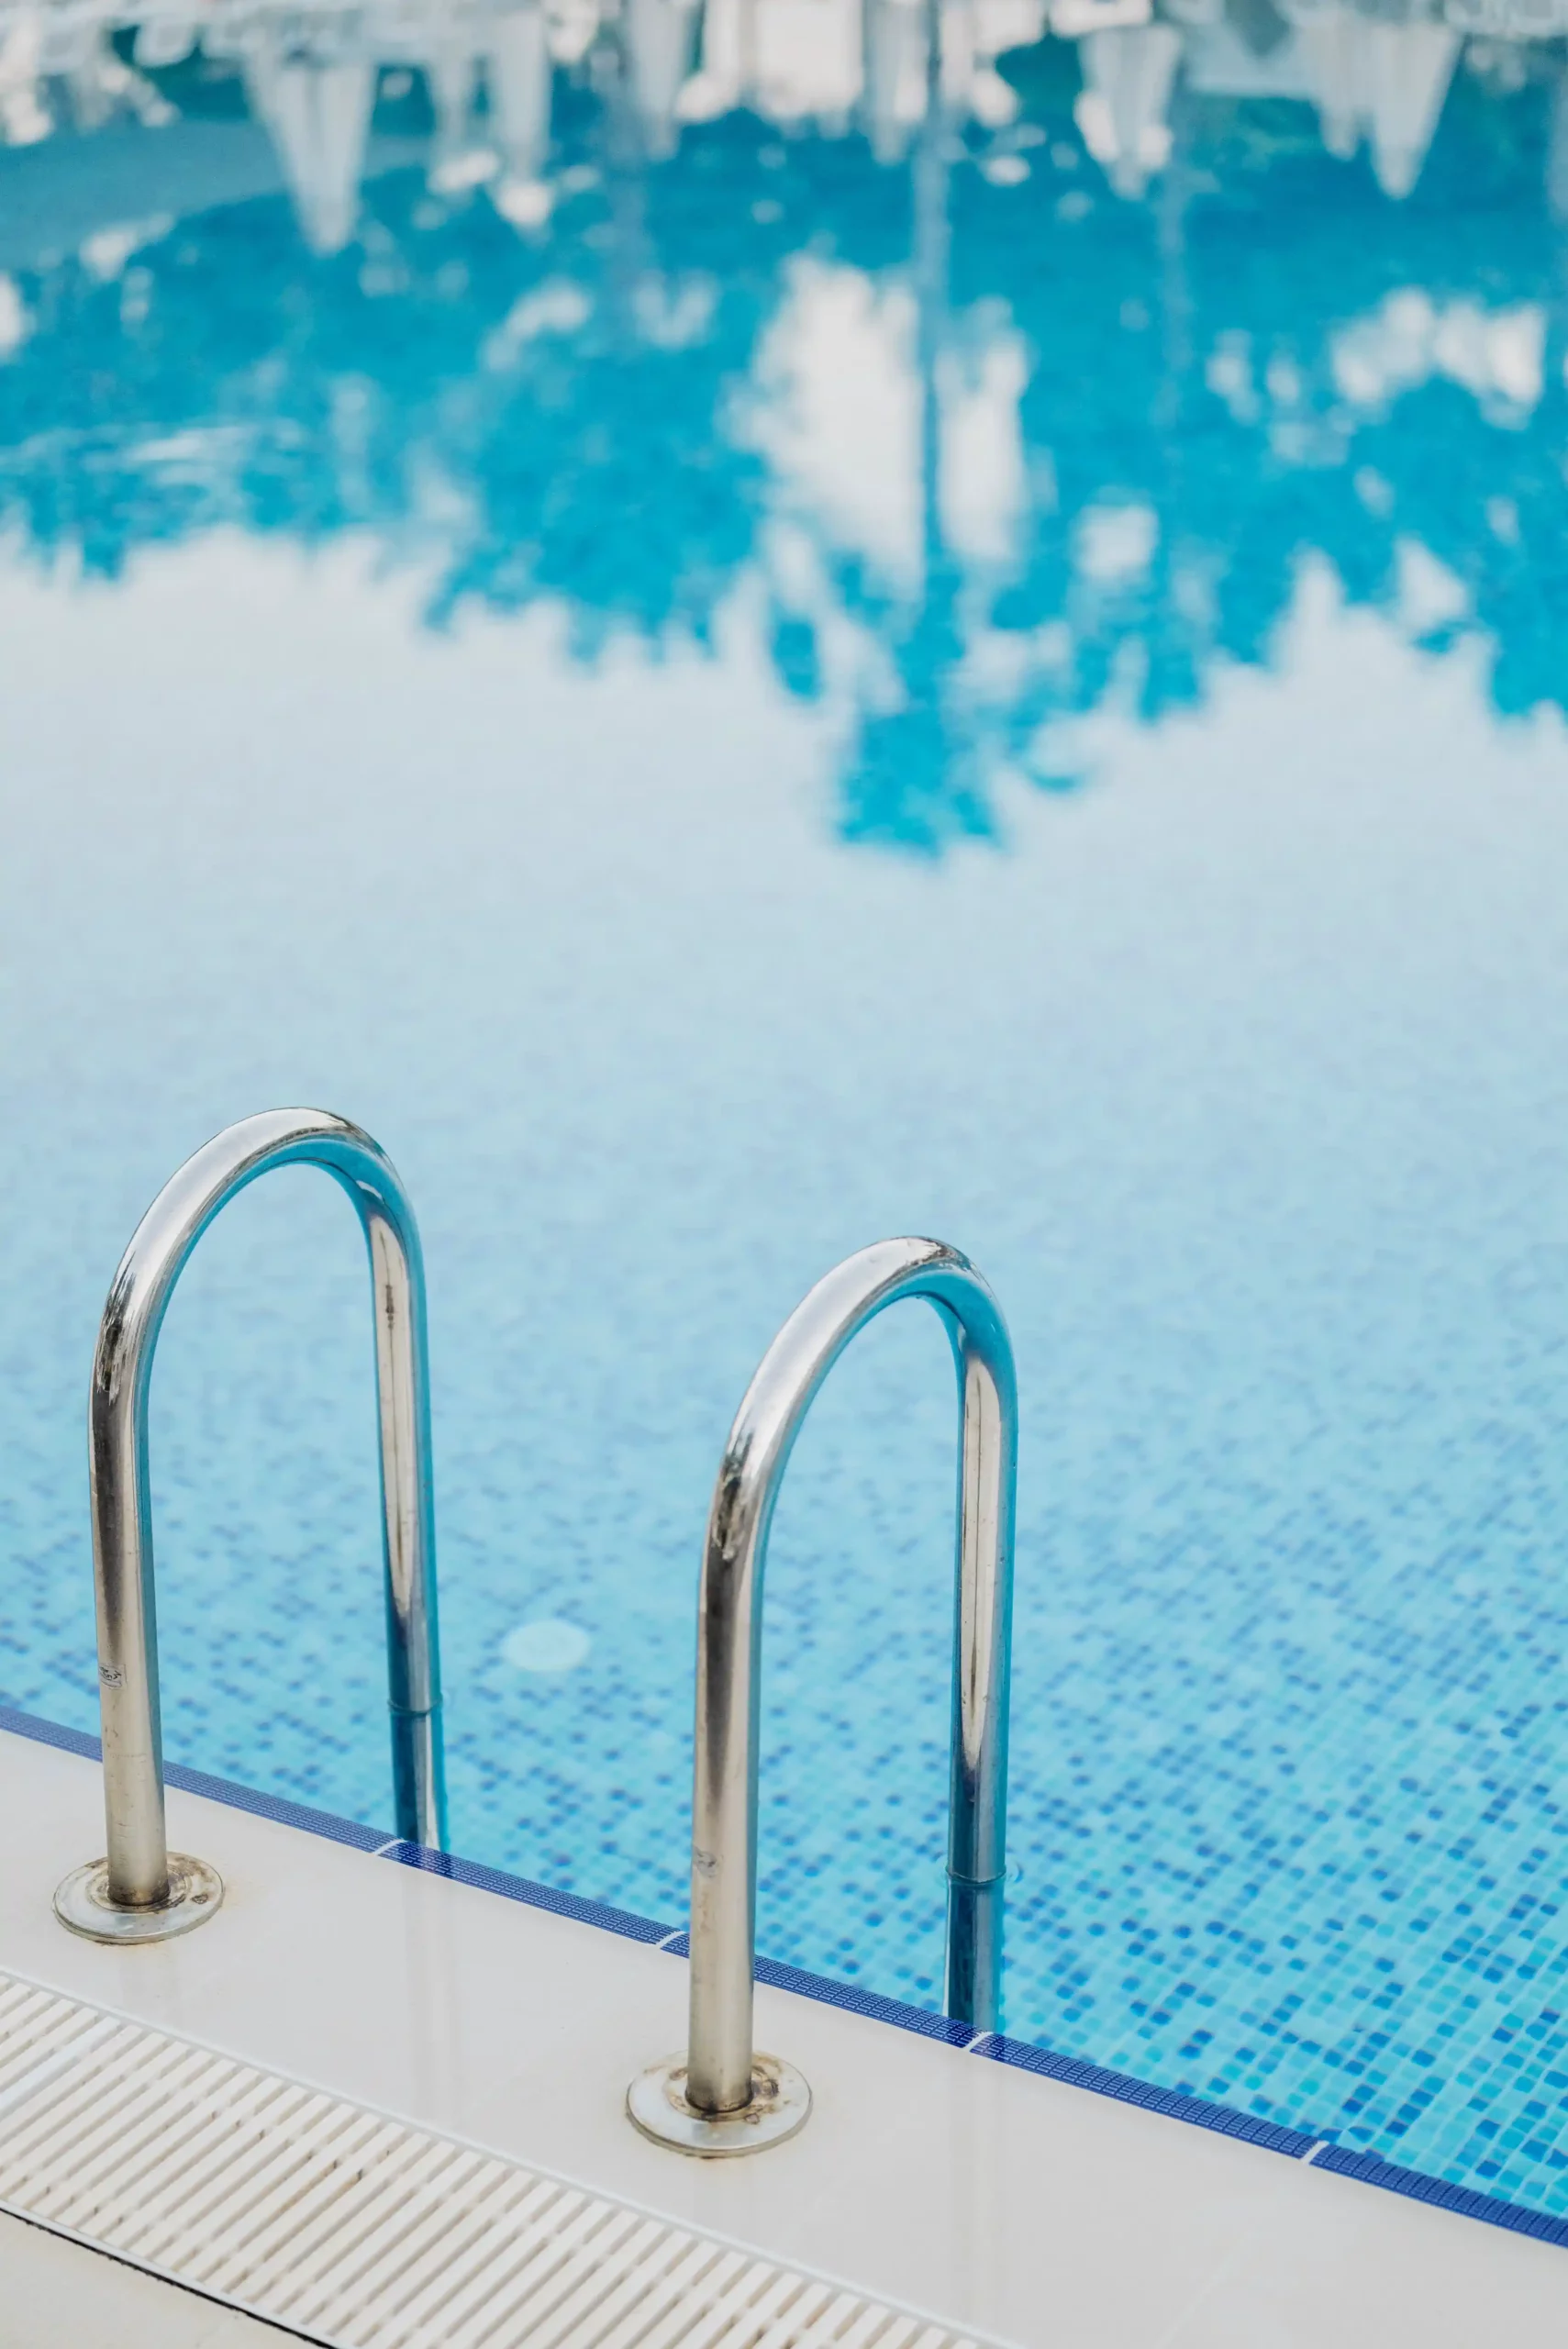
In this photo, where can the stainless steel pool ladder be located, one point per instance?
(722, 2096)
(142, 1891)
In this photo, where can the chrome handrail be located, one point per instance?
(721, 2096)
(142, 1891)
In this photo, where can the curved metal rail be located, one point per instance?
(142, 1891)
(721, 2097)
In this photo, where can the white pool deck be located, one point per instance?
(1011, 2208)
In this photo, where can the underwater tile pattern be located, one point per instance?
(473, 683)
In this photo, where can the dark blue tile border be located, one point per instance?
(1488, 2207)
(856, 2001)
(536, 1896)
(1018, 2055)
(850, 1997)
(275, 1807)
(1021, 2055)
(42, 1732)
(197, 1781)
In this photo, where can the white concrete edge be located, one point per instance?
(466, 2140)
(1013, 2207)
(155, 2274)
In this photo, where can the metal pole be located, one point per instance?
(721, 2096)
(142, 1891)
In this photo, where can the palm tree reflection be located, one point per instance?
(1020, 372)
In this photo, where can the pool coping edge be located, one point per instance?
(1319, 2150)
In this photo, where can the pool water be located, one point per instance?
(728, 694)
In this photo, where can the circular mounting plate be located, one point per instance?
(82, 1904)
(781, 2103)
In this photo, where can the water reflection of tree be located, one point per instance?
(555, 417)
(385, 387)
(1284, 260)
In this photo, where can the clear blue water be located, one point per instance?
(794, 699)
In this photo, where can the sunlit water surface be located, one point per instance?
(792, 700)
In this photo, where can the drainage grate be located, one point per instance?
(359, 2231)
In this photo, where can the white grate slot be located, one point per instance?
(356, 2231)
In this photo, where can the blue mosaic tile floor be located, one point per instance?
(501, 686)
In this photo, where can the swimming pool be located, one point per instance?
(733, 701)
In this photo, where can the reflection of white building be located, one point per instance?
(1384, 82)
(312, 74)
(42, 44)
(313, 70)
(1123, 110)
(1381, 79)
(1377, 77)
(836, 61)
(317, 111)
